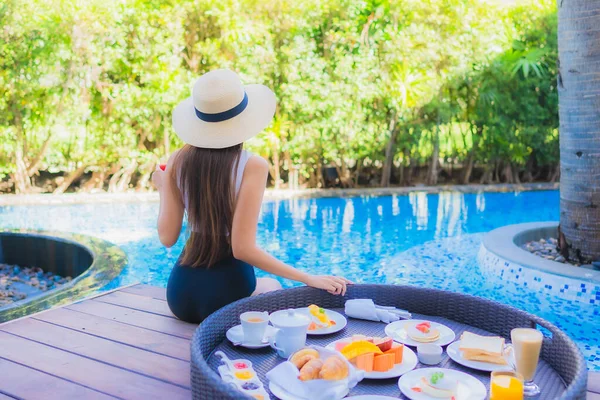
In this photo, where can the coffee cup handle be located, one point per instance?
(273, 340)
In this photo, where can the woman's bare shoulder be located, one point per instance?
(257, 164)
(256, 170)
(173, 157)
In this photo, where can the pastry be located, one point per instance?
(311, 370)
(301, 357)
(320, 319)
(437, 385)
(334, 369)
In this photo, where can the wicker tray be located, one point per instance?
(561, 374)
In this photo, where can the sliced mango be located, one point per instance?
(358, 348)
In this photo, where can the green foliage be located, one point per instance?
(87, 87)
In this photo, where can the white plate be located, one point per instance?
(469, 388)
(339, 319)
(397, 331)
(409, 362)
(455, 354)
(283, 394)
(236, 335)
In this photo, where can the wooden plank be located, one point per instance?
(147, 290)
(142, 319)
(123, 333)
(137, 302)
(113, 353)
(26, 383)
(108, 379)
(64, 305)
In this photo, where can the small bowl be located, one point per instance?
(429, 354)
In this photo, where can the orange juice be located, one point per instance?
(504, 386)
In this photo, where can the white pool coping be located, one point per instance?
(505, 243)
(270, 194)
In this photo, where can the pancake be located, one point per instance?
(422, 337)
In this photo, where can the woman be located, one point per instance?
(220, 187)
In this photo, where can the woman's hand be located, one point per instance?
(159, 177)
(333, 284)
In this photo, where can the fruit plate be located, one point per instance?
(409, 362)
(398, 331)
(339, 319)
(468, 388)
(283, 394)
(456, 355)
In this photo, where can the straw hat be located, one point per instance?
(222, 112)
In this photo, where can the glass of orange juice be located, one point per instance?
(506, 385)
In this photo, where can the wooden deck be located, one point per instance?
(123, 344)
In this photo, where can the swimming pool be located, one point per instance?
(427, 240)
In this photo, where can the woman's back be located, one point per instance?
(237, 175)
(220, 188)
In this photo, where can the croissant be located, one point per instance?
(311, 370)
(300, 358)
(334, 369)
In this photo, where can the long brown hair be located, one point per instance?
(205, 179)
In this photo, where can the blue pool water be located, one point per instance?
(426, 240)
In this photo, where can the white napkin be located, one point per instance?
(367, 309)
(285, 375)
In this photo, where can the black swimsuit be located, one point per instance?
(193, 293)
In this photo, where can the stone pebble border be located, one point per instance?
(546, 248)
(271, 194)
(38, 280)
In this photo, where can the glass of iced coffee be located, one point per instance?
(527, 344)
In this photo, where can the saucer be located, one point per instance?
(236, 336)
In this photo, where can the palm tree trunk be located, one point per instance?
(579, 112)
(432, 173)
(390, 151)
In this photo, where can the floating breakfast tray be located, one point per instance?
(561, 373)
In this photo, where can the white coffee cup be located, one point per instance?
(290, 332)
(254, 326)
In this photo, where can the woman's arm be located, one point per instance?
(170, 216)
(243, 236)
